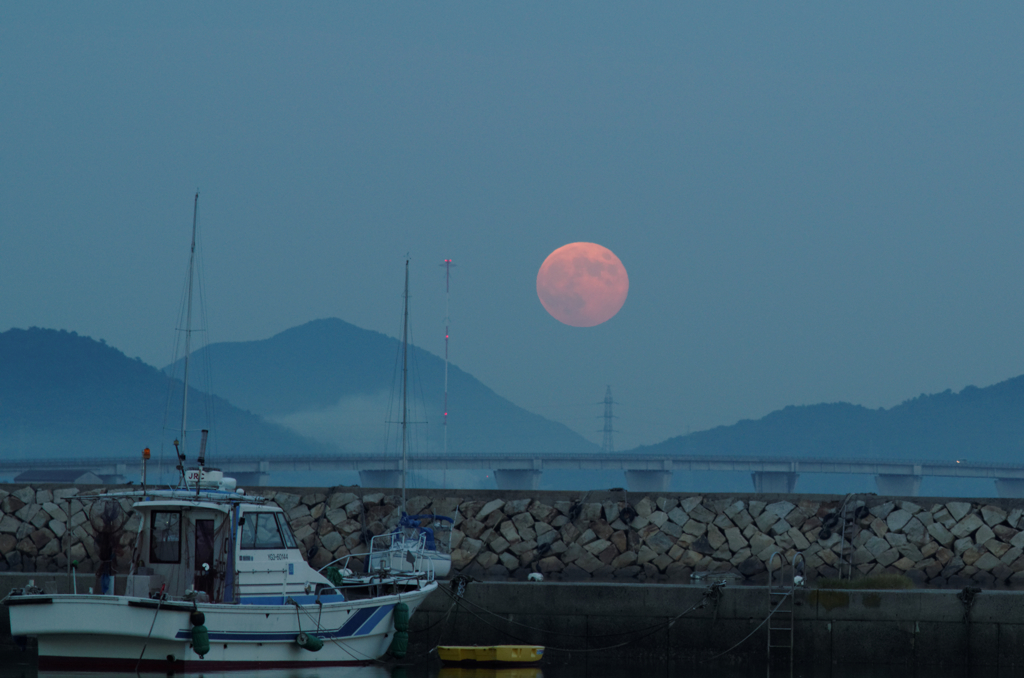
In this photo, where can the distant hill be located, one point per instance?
(980, 424)
(333, 381)
(64, 395)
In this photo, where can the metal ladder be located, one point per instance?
(780, 596)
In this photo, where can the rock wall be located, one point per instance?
(577, 536)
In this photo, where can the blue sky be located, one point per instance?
(814, 202)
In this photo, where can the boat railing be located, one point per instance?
(383, 549)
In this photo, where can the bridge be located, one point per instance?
(523, 471)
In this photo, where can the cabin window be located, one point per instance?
(260, 531)
(286, 530)
(165, 537)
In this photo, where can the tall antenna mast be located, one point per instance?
(405, 378)
(447, 321)
(606, 444)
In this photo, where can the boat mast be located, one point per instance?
(405, 378)
(188, 340)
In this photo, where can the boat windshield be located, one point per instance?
(286, 530)
(261, 531)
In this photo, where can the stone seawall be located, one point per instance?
(629, 537)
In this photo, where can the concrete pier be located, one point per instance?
(899, 485)
(517, 479)
(774, 482)
(648, 481)
(908, 627)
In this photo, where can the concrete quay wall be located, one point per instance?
(908, 627)
(586, 536)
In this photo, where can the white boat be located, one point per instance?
(414, 545)
(218, 581)
(421, 542)
(225, 567)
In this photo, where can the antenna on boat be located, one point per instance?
(447, 321)
(202, 460)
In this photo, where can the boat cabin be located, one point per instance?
(219, 546)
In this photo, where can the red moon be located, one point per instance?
(582, 284)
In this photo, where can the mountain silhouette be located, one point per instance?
(976, 424)
(65, 395)
(333, 380)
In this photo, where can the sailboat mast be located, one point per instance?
(188, 322)
(447, 321)
(405, 380)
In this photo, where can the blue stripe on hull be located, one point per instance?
(361, 623)
(372, 622)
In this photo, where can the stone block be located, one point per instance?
(958, 509)
(666, 504)
(1013, 518)
(735, 539)
(693, 527)
(983, 534)
(895, 539)
(916, 532)
(542, 513)
(1011, 556)
(765, 521)
(882, 511)
(993, 515)
(941, 534)
(888, 557)
(701, 514)
(646, 555)
(970, 556)
(313, 498)
(672, 530)
(661, 542)
(689, 502)
(911, 551)
(876, 545)
(986, 562)
(996, 547)
(897, 519)
(742, 520)
(967, 525)
(678, 516)
(332, 541)
(715, 537)
(354, 508)
(489, 508)
(908, 506)
(658, 518)
(780, 508)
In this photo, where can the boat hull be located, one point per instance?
(113, 632)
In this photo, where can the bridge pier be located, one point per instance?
(258, 478)
(380, 478)
(775, 482)
(648, 481)
(1010, 488)
(117, 477)
(891, 485)
(517, 479)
